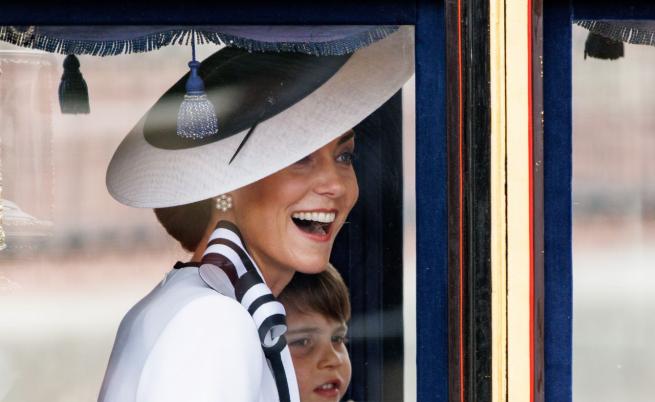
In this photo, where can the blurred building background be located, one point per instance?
(613, 224)
(75, 259)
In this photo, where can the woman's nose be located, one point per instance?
(329, 181)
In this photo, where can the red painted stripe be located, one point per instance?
(531, 198)
(461, 198)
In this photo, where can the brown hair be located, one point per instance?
(186, 223)
(324, 293)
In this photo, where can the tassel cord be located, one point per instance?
(193, 45)
(194, 85)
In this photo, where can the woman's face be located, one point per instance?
(289, 220)
(319, 354)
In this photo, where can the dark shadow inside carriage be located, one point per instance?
(369, 254)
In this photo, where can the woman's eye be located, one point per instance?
(346, 157)
(339, 339)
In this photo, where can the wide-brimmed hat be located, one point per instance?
(287, 105)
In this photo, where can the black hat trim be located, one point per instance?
(245, 88)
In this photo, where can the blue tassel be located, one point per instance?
(73, 92)
(196, 118)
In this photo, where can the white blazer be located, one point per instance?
(186, 342)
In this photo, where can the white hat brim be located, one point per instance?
(142, 175)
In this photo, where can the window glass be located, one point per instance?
(75, 260)
(613, 222)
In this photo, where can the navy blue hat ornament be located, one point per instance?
(196, 118)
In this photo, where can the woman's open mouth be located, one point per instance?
(314, 223)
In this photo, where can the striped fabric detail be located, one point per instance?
(227, 268)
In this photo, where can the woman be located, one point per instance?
(280, 176)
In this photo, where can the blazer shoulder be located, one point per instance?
(210, 348)
(213, 311)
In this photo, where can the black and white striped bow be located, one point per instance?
(227, 268)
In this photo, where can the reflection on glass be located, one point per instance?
(76, 260)
(613, 223)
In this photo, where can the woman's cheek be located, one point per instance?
(354, 191)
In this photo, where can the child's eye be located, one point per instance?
(301, 343)
(346, 157)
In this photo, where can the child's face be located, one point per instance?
(319, 354)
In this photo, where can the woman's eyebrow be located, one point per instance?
(346, 137)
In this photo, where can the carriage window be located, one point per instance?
(613, 213)
(74, 260)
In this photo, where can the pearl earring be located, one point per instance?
(224, 202)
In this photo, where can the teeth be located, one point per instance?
(327, 386)
(323, 217)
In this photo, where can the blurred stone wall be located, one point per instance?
(76, 259)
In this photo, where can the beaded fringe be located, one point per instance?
(30, 37)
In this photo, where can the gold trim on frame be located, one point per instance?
(510, 201)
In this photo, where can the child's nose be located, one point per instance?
(330, 357)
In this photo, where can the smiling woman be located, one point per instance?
(306, 204)
(277, 188)
(304, 207)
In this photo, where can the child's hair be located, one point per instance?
(324, 293)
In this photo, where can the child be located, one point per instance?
(318, 308)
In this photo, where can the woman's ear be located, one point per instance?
(222, 210)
